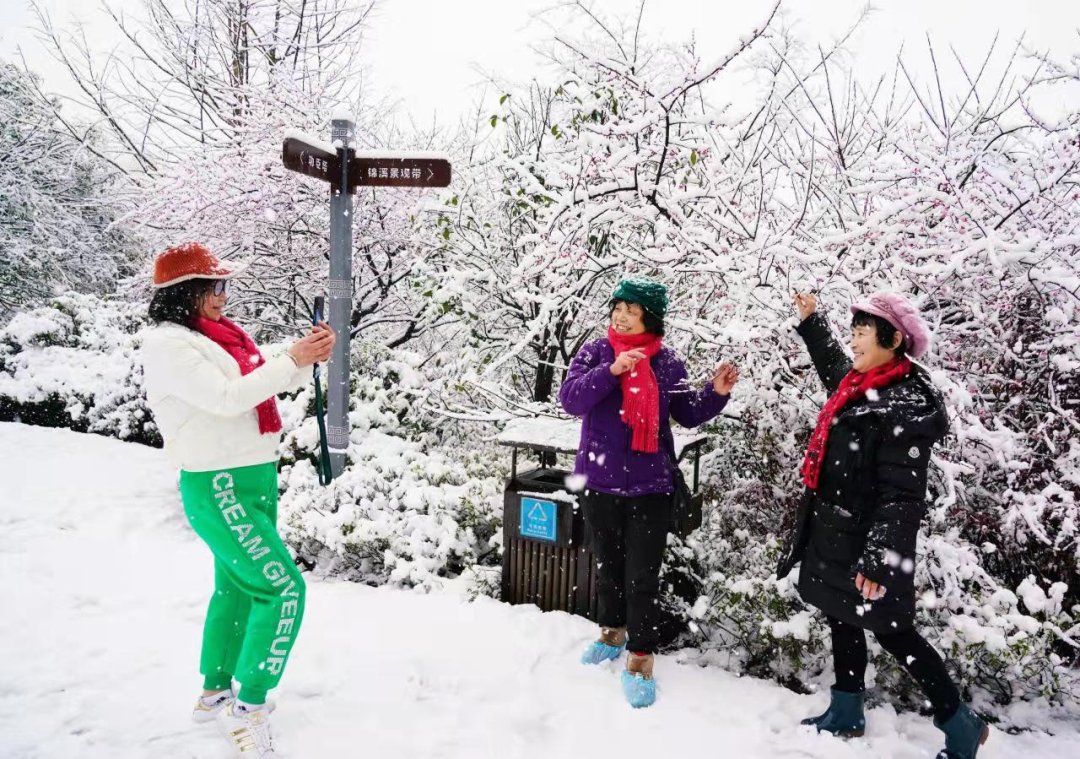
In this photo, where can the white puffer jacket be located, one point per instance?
(203, 406)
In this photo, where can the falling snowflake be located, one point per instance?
(575, 483)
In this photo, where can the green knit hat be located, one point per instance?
(647, 293)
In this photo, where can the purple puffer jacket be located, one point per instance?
(604, 456)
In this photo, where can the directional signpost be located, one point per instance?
(346, 171)
(403, 171)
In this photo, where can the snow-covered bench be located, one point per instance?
(546, 434)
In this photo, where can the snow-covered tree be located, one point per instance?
(58, 202)
(630, 159)
(198, 110)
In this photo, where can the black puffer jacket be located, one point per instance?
(871, 497)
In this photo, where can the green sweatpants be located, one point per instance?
(258, 599)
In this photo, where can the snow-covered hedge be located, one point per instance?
(407, 510)
(72, 363)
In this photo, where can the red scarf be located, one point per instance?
(854, 386)
(640, 392)
(240, 346)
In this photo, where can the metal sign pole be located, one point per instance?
(345, 171)
(340, 291)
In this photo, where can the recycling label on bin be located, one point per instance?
(539, 519)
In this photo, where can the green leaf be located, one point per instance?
(693, 158)
(494, 120)
(504, 98)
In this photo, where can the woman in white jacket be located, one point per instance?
(213, 396)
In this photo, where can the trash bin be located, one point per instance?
(545, 559)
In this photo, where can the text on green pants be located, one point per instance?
(258, 600)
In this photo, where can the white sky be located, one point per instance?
(431, 55)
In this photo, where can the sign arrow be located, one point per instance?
(310, 160)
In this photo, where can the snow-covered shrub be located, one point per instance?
(1004, 642)
(403, 511)
(398, 514)
(746, 619)
(73, 363)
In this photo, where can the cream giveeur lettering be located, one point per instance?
(273, 570)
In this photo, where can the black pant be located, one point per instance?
(629, 537)
(916, 656)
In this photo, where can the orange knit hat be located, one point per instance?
(191, 260)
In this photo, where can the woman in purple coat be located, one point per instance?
(625, 387)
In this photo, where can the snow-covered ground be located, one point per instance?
(105, 588)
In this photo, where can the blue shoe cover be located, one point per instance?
(598, 652)
(639, 691)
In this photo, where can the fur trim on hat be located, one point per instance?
(900, 312)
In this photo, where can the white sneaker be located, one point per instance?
(207, 712)
(247, 732)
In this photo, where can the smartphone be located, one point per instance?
(316, 317)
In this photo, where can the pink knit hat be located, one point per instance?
(900, 312)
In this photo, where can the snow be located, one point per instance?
(797, 627)
(102, 632)
(310, 139)
(563, 496)
(575, 483)
(563, 435)
(403, 155)
(559, 434)
(342, 114)
(108, 611)
(64, 371)
(1035, 598)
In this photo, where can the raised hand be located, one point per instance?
(725, 378)
(626, 361)
(314, 347)
(806, 303)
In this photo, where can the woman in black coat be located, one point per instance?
(865, 474)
